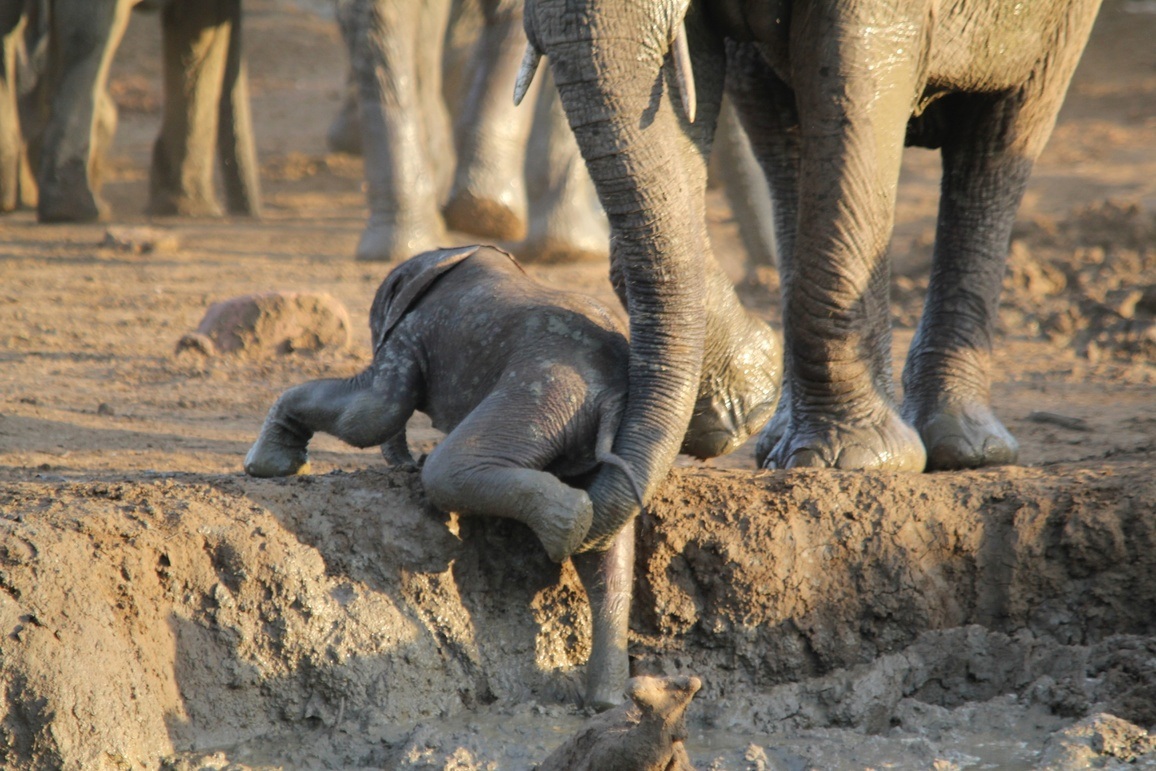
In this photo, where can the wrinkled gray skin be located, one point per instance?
(206, 108)
(518, 176)
(828, 92)
(644, 734)
(528, 382)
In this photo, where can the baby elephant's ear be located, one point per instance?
(406, 284)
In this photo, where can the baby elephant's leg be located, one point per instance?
(489, 465)
(354, 410)
(608, 578)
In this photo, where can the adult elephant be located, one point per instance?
(206, 108)
(829, 90)
(507, 174)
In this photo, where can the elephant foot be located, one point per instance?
(966, 436)
(740, 387)
(165, 204)
(887, 445)
(398, 239)
(565, 230)
(486, 216)
(271, 456)
(561, 525)
(70, 203)
(606, 682)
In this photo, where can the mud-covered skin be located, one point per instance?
(528, 384)
(644, 734)
(206, 110)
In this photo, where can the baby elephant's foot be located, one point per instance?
(965, 436)
(271, 457)
(888, 445)
(562, 521)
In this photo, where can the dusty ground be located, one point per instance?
(160, 608)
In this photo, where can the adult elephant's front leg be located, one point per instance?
(85, 34)
(854, 97)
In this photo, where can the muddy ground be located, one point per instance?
(160, 609)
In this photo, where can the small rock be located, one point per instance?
(140, 239)
(262, 325)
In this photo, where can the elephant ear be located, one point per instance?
(408, 283)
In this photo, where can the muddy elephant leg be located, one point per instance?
(236, 147)
(765, 107)
(566, 222)
(357, 410)
(401, 187)
(608, 578)
(489, 193)
(69, 159)
(836, 313)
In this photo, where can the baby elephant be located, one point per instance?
(530, 385)
(528, 382)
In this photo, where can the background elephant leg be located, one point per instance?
(566, 222)
(489, 466)
(836, 313)
(236, 146)
(608, 578)
(401, 186)
(734, 164)
(489, 193)
(12, 24)
(70, 156)
(196, 47)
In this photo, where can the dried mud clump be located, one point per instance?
(270, 324)
(1087, 281)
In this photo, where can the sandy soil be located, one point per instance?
(160, 609)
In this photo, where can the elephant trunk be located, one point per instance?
(647, 169)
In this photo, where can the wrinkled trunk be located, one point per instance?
(648, 165)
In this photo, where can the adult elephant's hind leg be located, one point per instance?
(987, 158)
